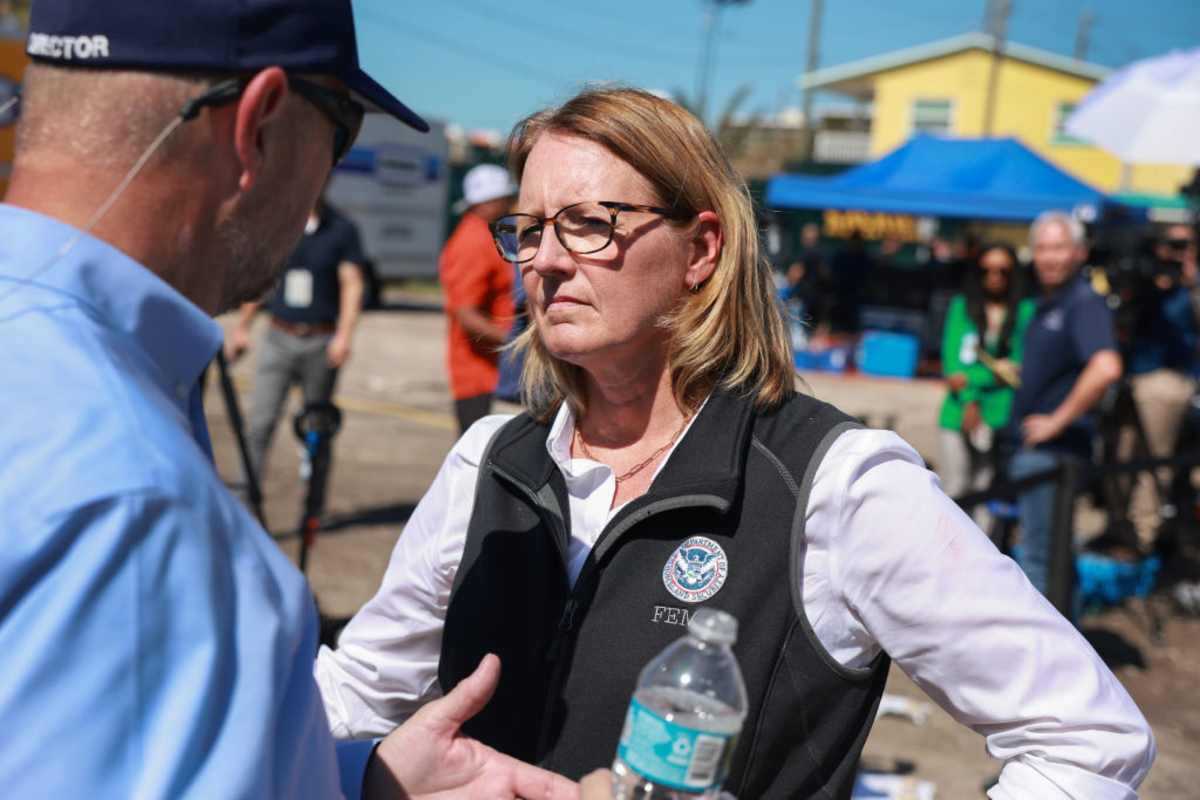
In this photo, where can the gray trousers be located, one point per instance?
(284, 360)
(964, 468)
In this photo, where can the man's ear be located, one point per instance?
(707, 241)
(258, 112)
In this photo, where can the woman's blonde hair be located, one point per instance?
(728, 334)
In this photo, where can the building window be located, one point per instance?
(1060, 136)
(932, 116)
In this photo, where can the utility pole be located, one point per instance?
(810, 66)
(998, 13)
(702, 70)
(1083, 34)
(712, 12)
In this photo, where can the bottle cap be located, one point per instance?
(713, 626)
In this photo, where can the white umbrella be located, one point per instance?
(1146, 113)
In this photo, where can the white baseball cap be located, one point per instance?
(483, 183)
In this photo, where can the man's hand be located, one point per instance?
(971, 418)
(337, 352)
(957, 382)
(1038, 428)
(596, 786)
(237, 342)
(427, 757)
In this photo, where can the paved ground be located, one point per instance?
(398, 428)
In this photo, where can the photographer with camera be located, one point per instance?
(1162, 357)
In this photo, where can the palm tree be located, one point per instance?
(730, 132)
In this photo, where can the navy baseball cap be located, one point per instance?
(235, 36)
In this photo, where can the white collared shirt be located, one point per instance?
(886, 551)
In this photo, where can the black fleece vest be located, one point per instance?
(571, 657)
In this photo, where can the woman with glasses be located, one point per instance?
(666, 463)
(981, 357)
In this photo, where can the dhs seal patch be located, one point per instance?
(696, 570)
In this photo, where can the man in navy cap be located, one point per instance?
(154, 642)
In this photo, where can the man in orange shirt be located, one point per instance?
(478, 286)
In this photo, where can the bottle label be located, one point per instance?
(673, 755)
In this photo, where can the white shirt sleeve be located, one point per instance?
(386, 664)
(894, 564)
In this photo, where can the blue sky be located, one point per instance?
(488, 63)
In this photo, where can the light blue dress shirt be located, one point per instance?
(154, 641)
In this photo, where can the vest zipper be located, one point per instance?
(566, 622)
(554, 655)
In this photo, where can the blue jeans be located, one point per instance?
(1035, 507)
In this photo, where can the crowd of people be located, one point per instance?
(1034, 359)
(156, 643)
(1054, 379)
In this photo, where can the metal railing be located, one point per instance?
(841, 147)
(1068, 477)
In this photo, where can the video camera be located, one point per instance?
(1125, 247)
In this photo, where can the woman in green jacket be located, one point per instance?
(981, 356)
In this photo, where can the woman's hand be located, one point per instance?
(1007, 370)
(957, 382)
(971, 418)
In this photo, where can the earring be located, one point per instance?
(694, 288)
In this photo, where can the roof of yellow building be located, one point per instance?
(854, 78)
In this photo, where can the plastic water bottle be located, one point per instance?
(685, 716)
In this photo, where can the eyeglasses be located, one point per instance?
(581, 228)
(345, 114)
(1179, 245)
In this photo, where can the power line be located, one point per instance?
(729, 39)
(406, 28)
(1118, 45)
(575, 38)
(906, 13)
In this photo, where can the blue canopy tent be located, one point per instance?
(987, 179)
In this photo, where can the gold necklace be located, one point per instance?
(629, 473)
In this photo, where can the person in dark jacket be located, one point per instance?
(664, 430)
(1071, 359)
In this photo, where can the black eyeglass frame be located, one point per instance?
(345, 113)
(614, 207)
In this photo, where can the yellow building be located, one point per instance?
(943, 88)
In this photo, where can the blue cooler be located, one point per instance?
(1104, 581)
(831, 359)
(893, 354)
